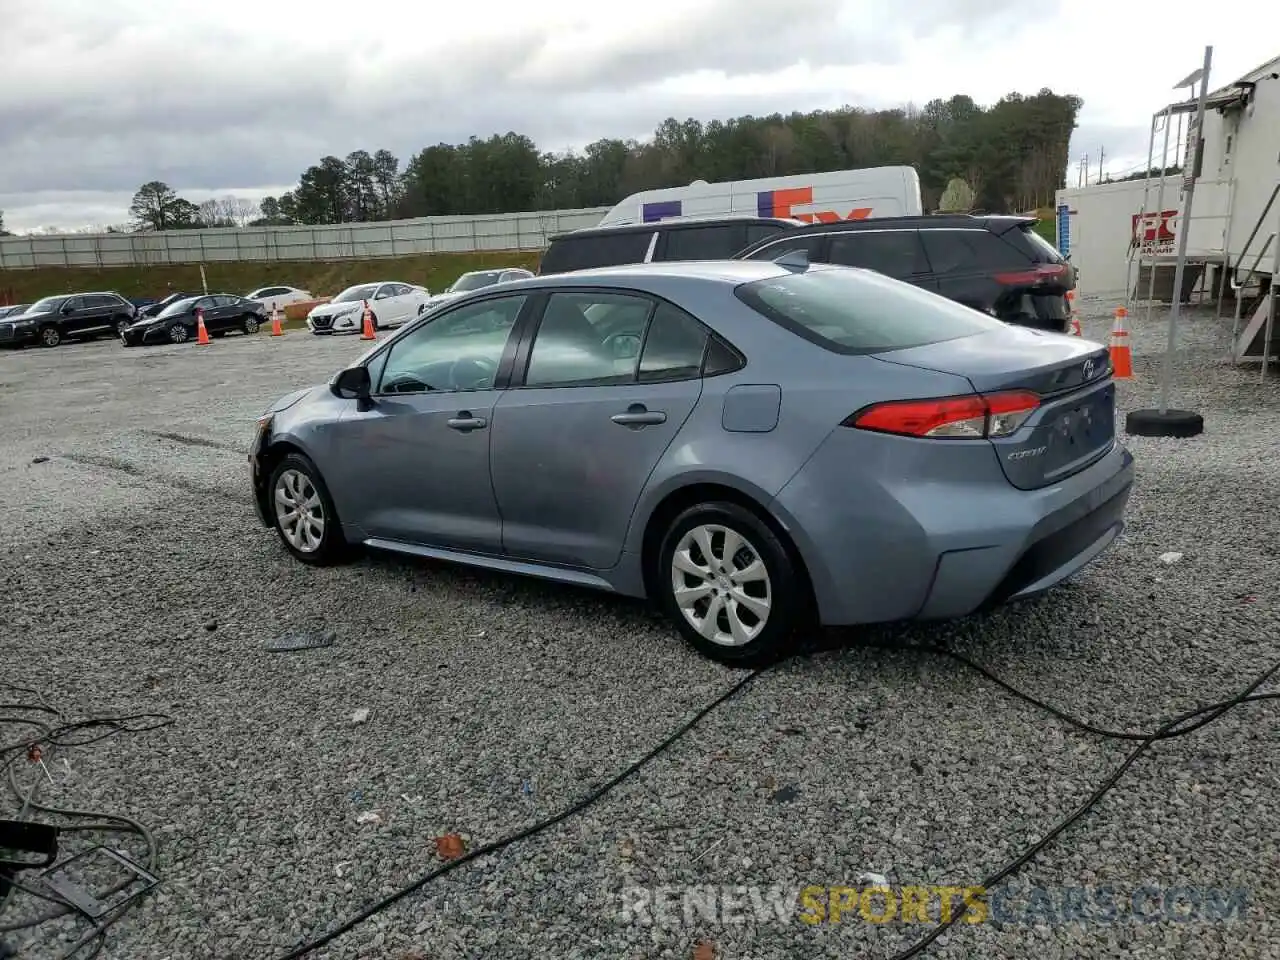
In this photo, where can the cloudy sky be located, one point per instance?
(239, 96)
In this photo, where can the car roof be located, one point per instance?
(935, 221)
(609, 229)
(643, 274)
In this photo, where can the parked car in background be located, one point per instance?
(13, 309)
(745, 443)
(154, 309)
(391, 302)
(477, 279)
(278, 297)
(998, 265)
(690, 238)
(68, 316)
(176, 323)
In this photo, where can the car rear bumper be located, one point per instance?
(910, 545)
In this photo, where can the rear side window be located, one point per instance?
(719, 242)
(847, 311)
(99, 300)
(810, 244)
(758, 231)
(674, 346)
(968, 251)
(895, 253)
(600, 250)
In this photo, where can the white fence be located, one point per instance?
(344, 241)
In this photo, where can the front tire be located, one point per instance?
(250, 324)
(303, 513)
(178, 333)
(730, 585)
(50, 337)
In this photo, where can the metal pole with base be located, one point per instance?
(1164, 422)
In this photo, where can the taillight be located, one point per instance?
(1041, 273)
(958, 418)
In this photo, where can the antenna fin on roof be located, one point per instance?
(797, 260)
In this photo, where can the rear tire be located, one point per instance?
(730, 585)
(303, 513)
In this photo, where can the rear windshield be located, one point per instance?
(849, 310)
(1042, 251)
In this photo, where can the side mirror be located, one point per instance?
(352, 383)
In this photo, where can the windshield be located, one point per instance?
(363, 292)
(45, 305)
(849, 310)
(474, 281)
(178, 306)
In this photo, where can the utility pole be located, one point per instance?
(1102, 152)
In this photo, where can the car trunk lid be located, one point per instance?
(1074, 424)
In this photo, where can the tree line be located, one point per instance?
(1011, 156)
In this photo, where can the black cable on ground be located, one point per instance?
(1202, 716)
(528, 831)
(49, 738)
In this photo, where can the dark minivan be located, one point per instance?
(996, 264)
(690, 238)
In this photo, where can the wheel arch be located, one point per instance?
(675, 501)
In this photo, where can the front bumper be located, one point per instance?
(322, 326)
(139, 336)
(257, 475)
(17, 337)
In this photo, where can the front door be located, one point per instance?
(412, 463)
(611, 379)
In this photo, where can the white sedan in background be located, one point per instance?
(480, 278)
(391, 302)
(278, 297)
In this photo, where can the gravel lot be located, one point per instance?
(137, 579)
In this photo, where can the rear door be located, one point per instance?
(894, 253)
(99, 311)
(608, 382)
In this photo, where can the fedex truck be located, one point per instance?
(811, 197)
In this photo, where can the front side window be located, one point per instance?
(457, 350)
(848, 311)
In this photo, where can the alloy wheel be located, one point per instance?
(721, 585)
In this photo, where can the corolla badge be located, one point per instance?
(1024, 454)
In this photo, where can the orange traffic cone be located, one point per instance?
(368, 333)
(1075, 314)
(276, 329)
(202, 335)
(1121, 355)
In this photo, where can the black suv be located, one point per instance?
(693, 238)
(69, 316)
(995, 264)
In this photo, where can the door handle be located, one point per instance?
(638, 416)
(465, 422)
